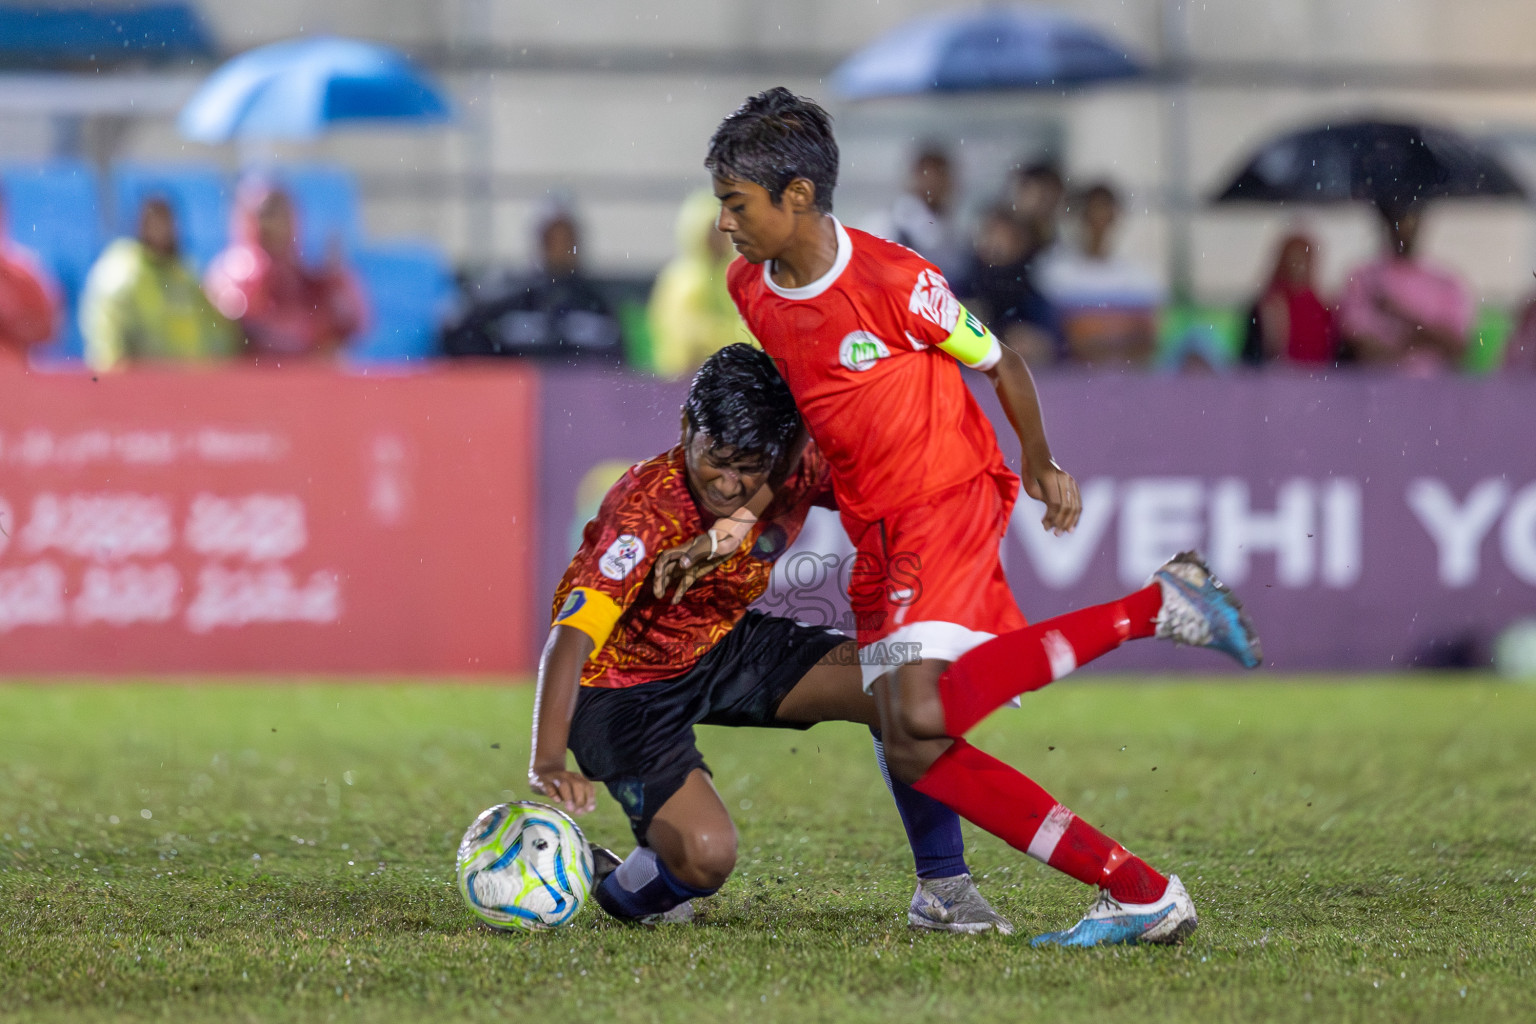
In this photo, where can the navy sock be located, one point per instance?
(642, 885)
(933, 830)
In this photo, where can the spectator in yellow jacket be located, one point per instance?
(691, 314)
(141, 303)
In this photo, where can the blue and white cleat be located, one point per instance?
(1111, 923)
(1199, 610)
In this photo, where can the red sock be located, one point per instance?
(1088, 855)
(1011, 806)
(985, 678)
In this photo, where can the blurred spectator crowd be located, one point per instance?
(273, 269)
(276, 270)
(1043, 268)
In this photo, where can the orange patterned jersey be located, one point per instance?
(606, 591)
(871, 351)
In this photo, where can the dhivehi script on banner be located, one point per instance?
(243, 520)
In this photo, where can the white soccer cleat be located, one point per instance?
(680, 914)
(1200, 610)
(1110, 922)
(954, 904)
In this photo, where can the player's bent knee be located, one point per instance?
(909, 758)
(709, 860)
(920, 717)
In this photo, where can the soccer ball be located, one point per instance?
(524, 866)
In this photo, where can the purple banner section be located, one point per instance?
(595, 424)
(1368, 522)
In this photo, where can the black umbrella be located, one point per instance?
(1391, 165)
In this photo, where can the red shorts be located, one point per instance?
(927, 581)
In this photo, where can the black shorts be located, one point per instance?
(639, 739)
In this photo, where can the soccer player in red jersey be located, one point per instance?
(626, 675)
(870, 339)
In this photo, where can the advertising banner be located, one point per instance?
(245, 520)
(1369, 522)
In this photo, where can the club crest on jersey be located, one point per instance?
(771, 543)
(572, 605)
(622, 556)
(932, 300)
(860, 350)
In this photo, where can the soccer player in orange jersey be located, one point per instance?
(626, 674)
(871, 341)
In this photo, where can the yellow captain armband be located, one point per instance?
(971, 342)
(591, 611)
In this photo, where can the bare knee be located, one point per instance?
(920, 714)
(909, 705)
(708, 858)
(909, 758)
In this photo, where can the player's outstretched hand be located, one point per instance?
(682, 565)
(571, 789)
(691, 562)
(1063, 502)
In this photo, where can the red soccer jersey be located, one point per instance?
(858, 348)
(606, 591)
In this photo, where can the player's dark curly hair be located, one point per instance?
(741, 402)
(774, 138)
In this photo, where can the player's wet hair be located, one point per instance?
(774, 138)
(741, 402)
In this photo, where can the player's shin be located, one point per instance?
(933, 830)
(986, 677)
(1011, 806)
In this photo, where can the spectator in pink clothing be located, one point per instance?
(28, 300)
(287, 311)
(1400, 311)
(1289, 321)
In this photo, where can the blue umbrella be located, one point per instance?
(1004, 47)
(300, 88)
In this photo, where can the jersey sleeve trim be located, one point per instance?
(972, 343)
(591, 611)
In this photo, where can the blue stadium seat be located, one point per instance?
(408, 285)
(53, 209)
(326, 199)
(199, 194)
(53, 35)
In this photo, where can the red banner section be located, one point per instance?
(246, 520)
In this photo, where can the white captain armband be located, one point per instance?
(971, 342)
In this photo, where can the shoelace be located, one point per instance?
(946, 896)
(1185, 623)
(1106, 902)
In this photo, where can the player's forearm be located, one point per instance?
(727, 533)
(788, 464)
(554, 703)
(758, 503)
(1021, 404)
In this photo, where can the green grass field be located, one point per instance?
(1359, 850)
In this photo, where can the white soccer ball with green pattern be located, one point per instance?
(524, 866)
